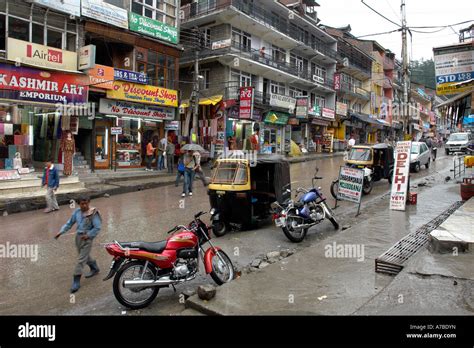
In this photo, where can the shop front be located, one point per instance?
(273, 133)
(317, 130)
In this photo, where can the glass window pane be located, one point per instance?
(171, 10)
(54, 39)
(19, 11)
(71, 42)
(171, 21)
(148, 13)
(38, 15)
(152, 57)
(18, 29)
(71, 25)
(2, 30)
(38, 34)
(3, 5)
(55, 20)
(161, 77)
(149, 2)
(171, 79)
(161, 60)
(141, 67)
(137, 8)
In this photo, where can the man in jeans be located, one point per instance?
(170, 149)
(88, 226)
(150, 150)
(190, 165)
(51, 181)
(162, 153)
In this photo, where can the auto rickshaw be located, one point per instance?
(377, 161)
(241, 191)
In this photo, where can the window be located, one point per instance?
(241, 39)
(295, 92)
(318, 71)
(277, 88)
(18, 29)
(204, 82)
(156, 9)
(278, 54)
(160, 69)
(320, 100)
(54, 38)
(358, 107)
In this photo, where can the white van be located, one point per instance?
(459, 142)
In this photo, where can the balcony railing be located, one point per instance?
(353, 63)
(259, 13)
(354, 90)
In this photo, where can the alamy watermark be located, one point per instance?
(75, 109)
(24, 251)
(250, 155)
(345, 251)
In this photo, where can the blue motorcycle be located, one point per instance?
(295, 217)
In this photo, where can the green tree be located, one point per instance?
(423, 72)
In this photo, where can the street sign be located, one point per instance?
(116, 130)
(398, 196)
(351, 182)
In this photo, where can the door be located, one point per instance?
(103, 145)
(424, 155)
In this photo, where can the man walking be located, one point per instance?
(150, 150)
(170, 149)
(190, 164)
(88, 226)
(162, 153)
(51, 181)
(199, 171)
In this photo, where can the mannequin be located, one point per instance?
(17, 163)
(68, 148)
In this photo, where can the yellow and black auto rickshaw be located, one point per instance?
(241, 191)
(377, 161)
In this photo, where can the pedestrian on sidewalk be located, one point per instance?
(351, 142)
(51, 181)
(170, 149)
(199, 172)
(161, 154)
(88, 226)
(181, 170)
(150, 150)
(190, 165)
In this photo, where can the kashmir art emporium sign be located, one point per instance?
(143, 94)
(398, 195)
(35, 85)
(153, 28)
(123, 108)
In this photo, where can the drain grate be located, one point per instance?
(391, 261)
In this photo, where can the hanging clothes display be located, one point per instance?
(44, 126)
(56, 123)
(68, 147)
(8, 129)
(66, 122)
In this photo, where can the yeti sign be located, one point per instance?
(398, 196)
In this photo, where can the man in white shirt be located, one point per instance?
(162, 153)
(351, 142)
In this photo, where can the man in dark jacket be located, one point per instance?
(51, 181)
(88, 226)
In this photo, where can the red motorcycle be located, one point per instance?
(141, 268)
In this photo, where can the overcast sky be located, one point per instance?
(363, 21)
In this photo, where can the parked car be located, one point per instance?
(459, 142)
(420, 156)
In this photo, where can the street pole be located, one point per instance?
(196, 93)
(406, 78)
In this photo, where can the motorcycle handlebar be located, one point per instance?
(199, 214)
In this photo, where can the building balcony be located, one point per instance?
(354, 91)
(350, 66)
(388, 64)
(255, 62)
(259, 21)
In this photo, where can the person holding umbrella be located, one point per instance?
(191, 164)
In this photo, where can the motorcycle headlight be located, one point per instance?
(212, 211)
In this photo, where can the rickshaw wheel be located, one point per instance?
(219, 228)
(367, 188)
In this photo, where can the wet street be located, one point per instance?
(42, 286)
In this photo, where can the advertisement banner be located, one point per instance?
(86, 57)
(25, 52)
(314, 111)
(101, 76)
(153, 28)
(116, 130)
(30, 84)
(71, 7)
(143, 94)
(351, 181)
(337, 81)
(246, 102)
(283, 101)
(172, 125)
(398, 196)
(123, 108)
(130, 76)
(302, 103)
(104, 12)
(341, 109)
(453, 64)
(329, 113)
(216, 45)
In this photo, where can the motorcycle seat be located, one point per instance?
(156, 247)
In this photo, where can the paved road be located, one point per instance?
(42, 287)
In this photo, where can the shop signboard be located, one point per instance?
(130, 76)
(341, 109)
(233, 112)
(172, 125)
(71, 7)
(21, 83)
(104, 12)
(101, 76)
(246, 102)
(116, 130)
(283, 101)
(276, 118)
(328, 113)
(86, 57)
(398, 196)
(302, 103)
(153, 28)
(143, 94)
(337, 81)
(257, 114)
(124, 108)
(28, 53)
(293, 121)
(314, 111)
(351, 181)
(453, 65)
(216, 45)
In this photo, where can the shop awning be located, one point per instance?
(203, 101)
(383, 122)
(320, 122)
(455, 98)
(275, 117)
(365, 118)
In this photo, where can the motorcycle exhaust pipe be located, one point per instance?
(164, 281)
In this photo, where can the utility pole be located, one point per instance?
(196, 86)
(405, 64)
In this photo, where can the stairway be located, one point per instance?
(83, 171)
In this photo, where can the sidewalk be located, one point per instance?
(319, 281)
(113, 183)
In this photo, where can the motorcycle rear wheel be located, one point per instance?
(290, 233)
(121, 293)
(334, 188)
(217, 267)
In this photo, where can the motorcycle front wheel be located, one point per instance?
(222, 268)
(367, 188)
(332, 218)
(293, 234)
(134, 298)
(334, 188)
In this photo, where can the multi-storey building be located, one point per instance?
(115, 62)
(277, 48)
